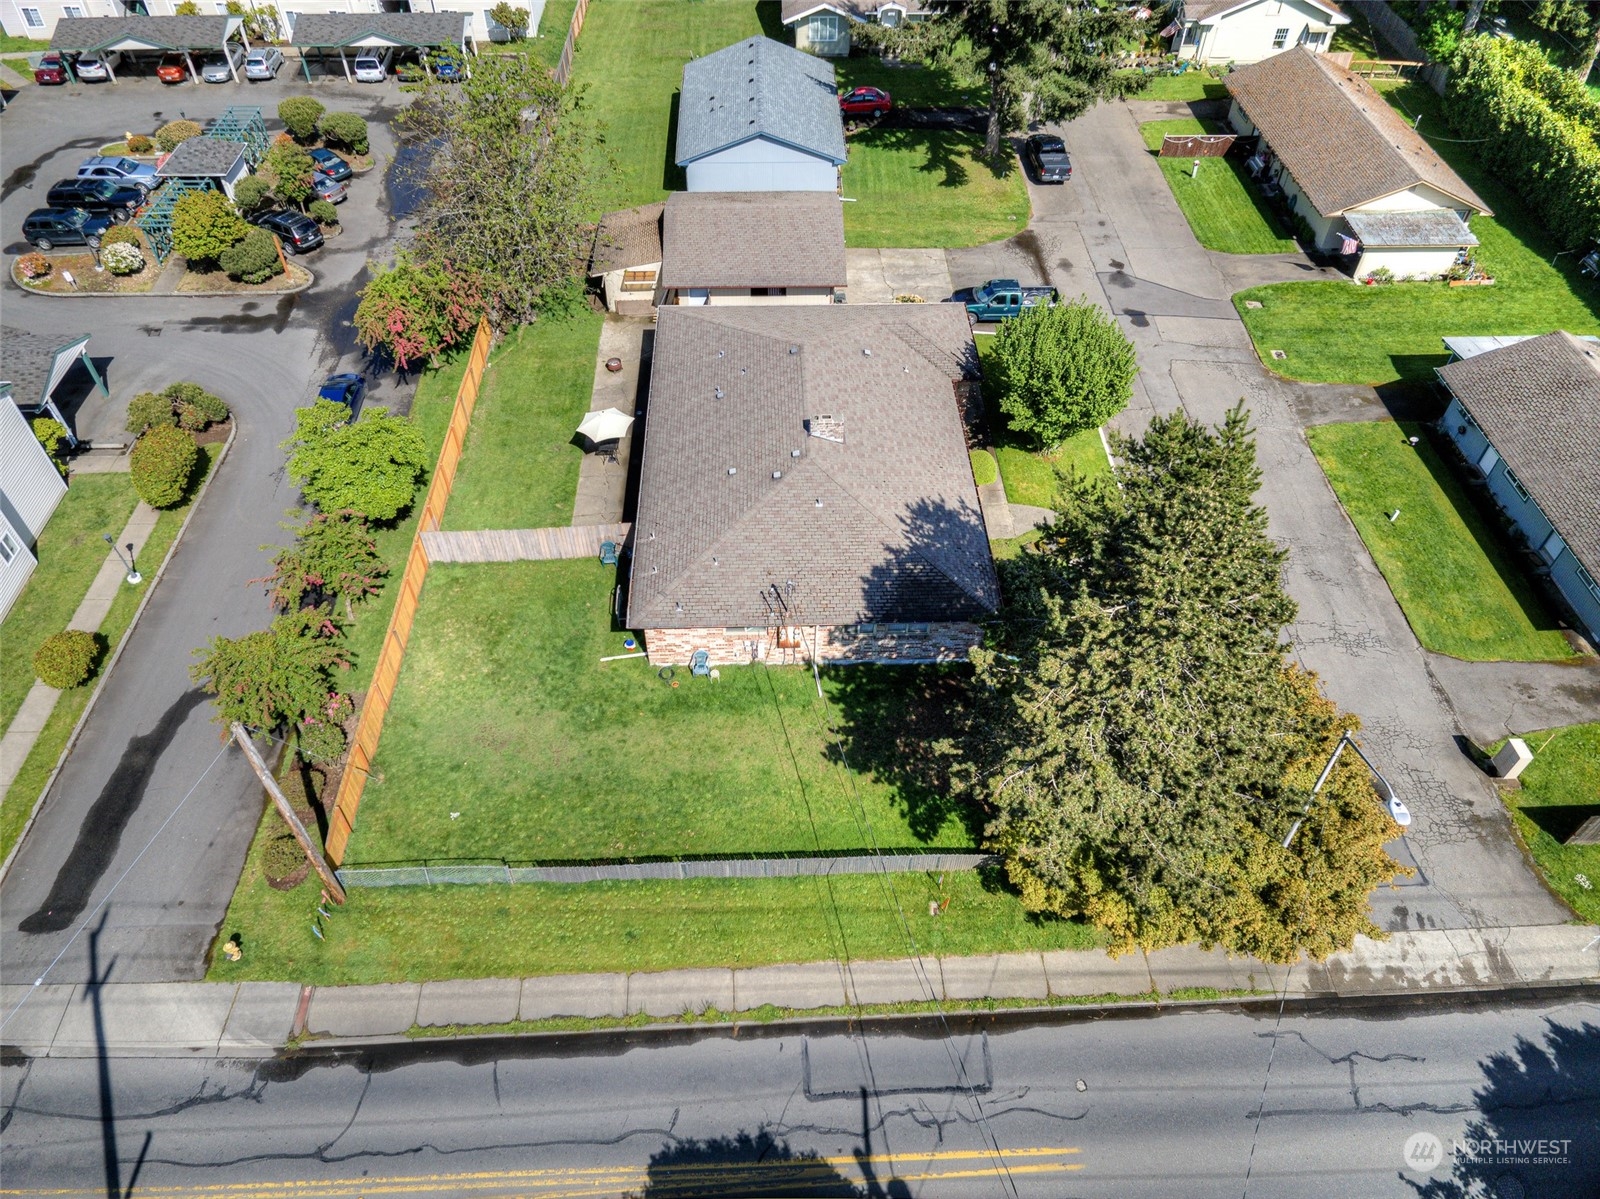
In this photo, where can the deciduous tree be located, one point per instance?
(334, 556)
(1062, 370)
(204, 224)
(512, 19)
(273, 678)
(299, 115)
(291, 170)
(417, 311)
(369, 466)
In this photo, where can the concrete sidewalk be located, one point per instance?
(256, 1019)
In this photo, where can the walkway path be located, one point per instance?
(603, 479)
(1492, 700)
(521, 545)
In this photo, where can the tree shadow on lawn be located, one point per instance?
(946, 152)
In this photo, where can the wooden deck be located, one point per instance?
(522, 545)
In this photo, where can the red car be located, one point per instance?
(865, 102)
(51, 69)
(173, 69)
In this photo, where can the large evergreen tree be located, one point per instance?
(1139, 738)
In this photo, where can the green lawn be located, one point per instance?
(1340, 333)
(70, 552)
(505, 715)
(10, 44)
(41, 760)
(520, 468)
(911, 86)
(1560, 790)
(1225, 211)
(923, 187)
(1450, 569)
(1191, 85)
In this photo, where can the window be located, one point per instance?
(1516, 484)
(71, 10)
(1280, 39)
(769, 291)
(638, 280)
(1191, 35)
(824, 27)
(8, 546)
(32, 19)
(1552, 547)
(1311, 40)
(1587, 580)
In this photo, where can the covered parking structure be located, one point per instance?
(150, 35)
(347, 34)
(33, 367)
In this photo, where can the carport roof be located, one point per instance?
(421, 29)
(202, 158)
(33, 365)
(144, 33)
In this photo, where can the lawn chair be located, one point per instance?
(608, 553)
(700, 664)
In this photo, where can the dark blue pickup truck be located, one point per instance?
(1002, 299)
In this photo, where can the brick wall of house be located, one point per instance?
(946, 641)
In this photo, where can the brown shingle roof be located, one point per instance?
(881, 526)
(626, 238)
(1538, 402)
(1204, 10)
(753, 239)
(1341, 142)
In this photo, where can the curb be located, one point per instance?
(88, 709)
(175, 295)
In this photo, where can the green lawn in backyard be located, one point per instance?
(505, 715)
(1560, 790)
(1449, 568)
(1341, 333)
(10, 44)
(520, 468)
(70, 552)
(1191, 85)
(25, 789)
(631, 55)
(910, 86)
(929, 187)
(1224, 209)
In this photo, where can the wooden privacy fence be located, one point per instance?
(564, 67)
(342, 820)
(1196, 145)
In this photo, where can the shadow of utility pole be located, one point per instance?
(108, 1115)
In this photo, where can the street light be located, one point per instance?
(1398, 811)
(133, 577)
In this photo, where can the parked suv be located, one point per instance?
(369, 68)
(263, 62)
(47, 228)
(298, 233)
(120, 170)
(97, 65)
(119, 201)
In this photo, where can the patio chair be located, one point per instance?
(608, 553)
(700, 664)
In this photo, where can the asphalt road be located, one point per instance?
(150, 749)
(1196, 1104)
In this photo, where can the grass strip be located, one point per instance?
(1560, 790)
(1224, 208)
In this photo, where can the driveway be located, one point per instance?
(1116, 234)
(151, 816)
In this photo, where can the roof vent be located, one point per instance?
(722, 353)
(794, 349)
(867, 351)
(718, 390)
(733, 470)
(794, 453)
(828, 428)
(819, 503)
(777, 474)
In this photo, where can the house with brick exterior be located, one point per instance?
(805, 491)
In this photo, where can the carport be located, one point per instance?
(33, 367)
(145, 35)
(382, 31)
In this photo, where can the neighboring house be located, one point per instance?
(752, 248)
(1220, 31)
(30, 489)
(805, 491)
(626, 258)
(217, 161)
(823, 26)
(759, 116)
(1355, 170)
(1525, 414)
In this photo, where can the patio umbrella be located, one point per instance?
(606, 425)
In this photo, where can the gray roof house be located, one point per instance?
(741, 246)
(1525, 415)
(760, 116)
(805, 490)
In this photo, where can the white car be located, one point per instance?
(223, 67)
(264, 62)
(96, 66)
(369, 68)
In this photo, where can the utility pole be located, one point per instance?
(318, 863)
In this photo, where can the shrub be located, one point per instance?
(253, 259)
(346, 129)
(512, 19)
(321, 741)
(192, 397)
(204, 224)
(174, 133)
(66, 659)
(984, 468)
(323, 212)
(35, 266)
(147, 410)
(282, 856)
(299, 115)
(251, 193)
(161, 465)
(1062, 370)
(52, 436)
(120, 258)
(140, 144)
(123, 235)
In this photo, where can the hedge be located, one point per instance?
(161, 465)
(345, 129)
(66, 659)
(174, 133)
(254, 258)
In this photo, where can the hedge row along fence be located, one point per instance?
(364, 747)
(1539, 127)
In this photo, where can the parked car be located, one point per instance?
(117, 200)
(223, 67)
(1002, 299)
(347, 389)
(446, 65)
(330, 189)
(297, 232)
(97, 65)
(52, 68)
(173, 68)
(47, 228)
(369, 68)
(264, 62)
(121, 170)
(331, 165)
(865, 102)
(1046, 156)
